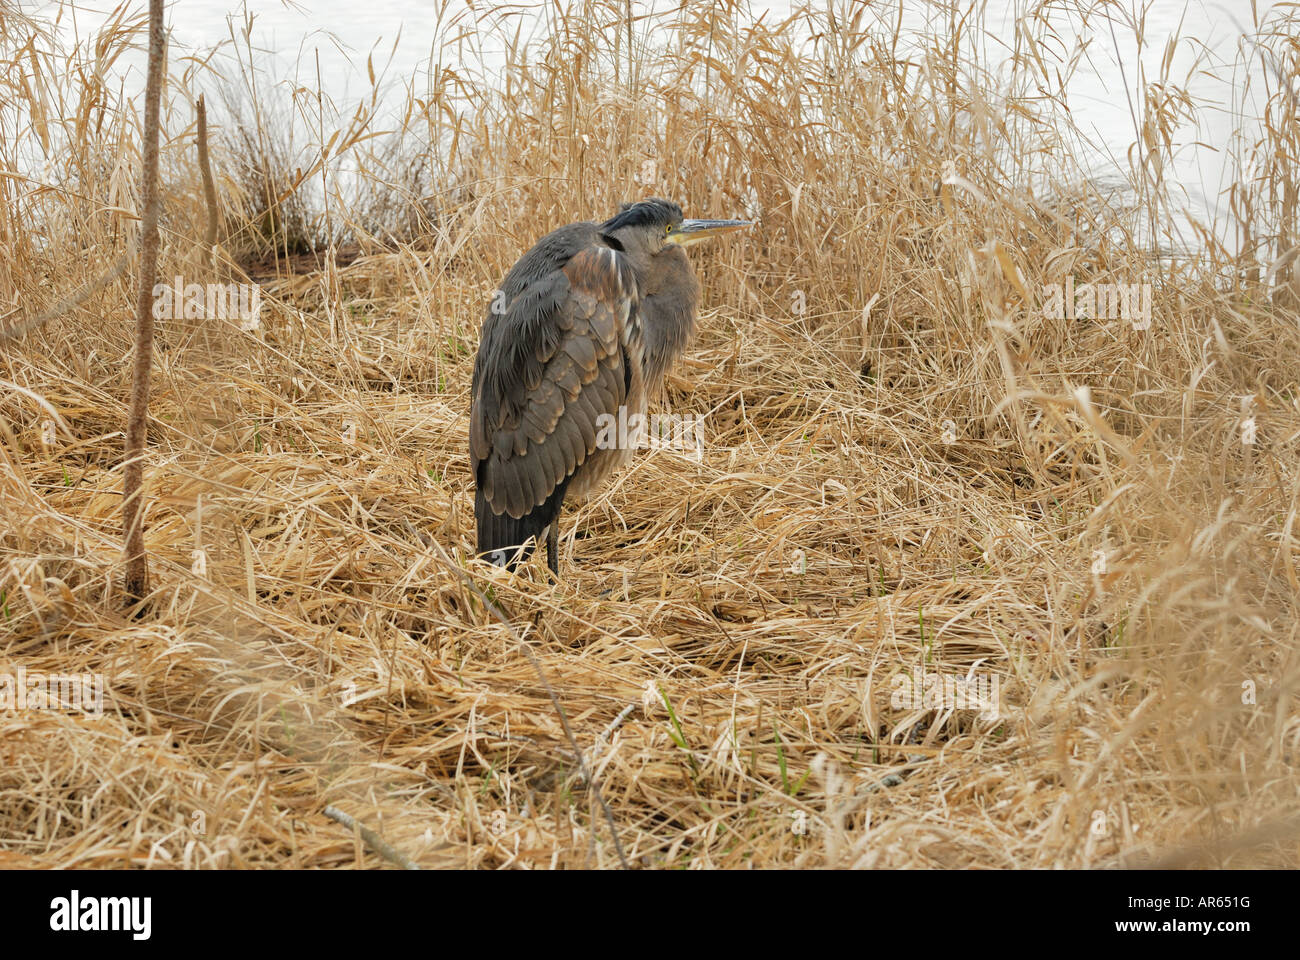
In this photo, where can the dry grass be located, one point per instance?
(907, 464)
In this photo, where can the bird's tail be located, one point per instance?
(507, 541)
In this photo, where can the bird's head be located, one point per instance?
(649, 227)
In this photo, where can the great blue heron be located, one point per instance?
(586, 323)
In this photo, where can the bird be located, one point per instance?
(584, 327)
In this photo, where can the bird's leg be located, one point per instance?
(553, 546)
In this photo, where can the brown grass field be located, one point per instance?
(908, 465)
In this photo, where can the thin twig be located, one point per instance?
(373, 840)
(609, 731)
(72, 301)
(136, 581)
(209, 185)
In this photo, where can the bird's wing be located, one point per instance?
(559, 356)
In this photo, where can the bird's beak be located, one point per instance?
(689, 231)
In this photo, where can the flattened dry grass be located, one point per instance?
(907, 466)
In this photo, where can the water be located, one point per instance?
(342, 35)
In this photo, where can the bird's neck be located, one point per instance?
(667, 312)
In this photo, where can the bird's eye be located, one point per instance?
(668, 229)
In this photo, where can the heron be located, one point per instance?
(584, 326)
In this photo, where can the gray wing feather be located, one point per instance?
(547, 368)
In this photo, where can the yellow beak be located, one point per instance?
(691, 231)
